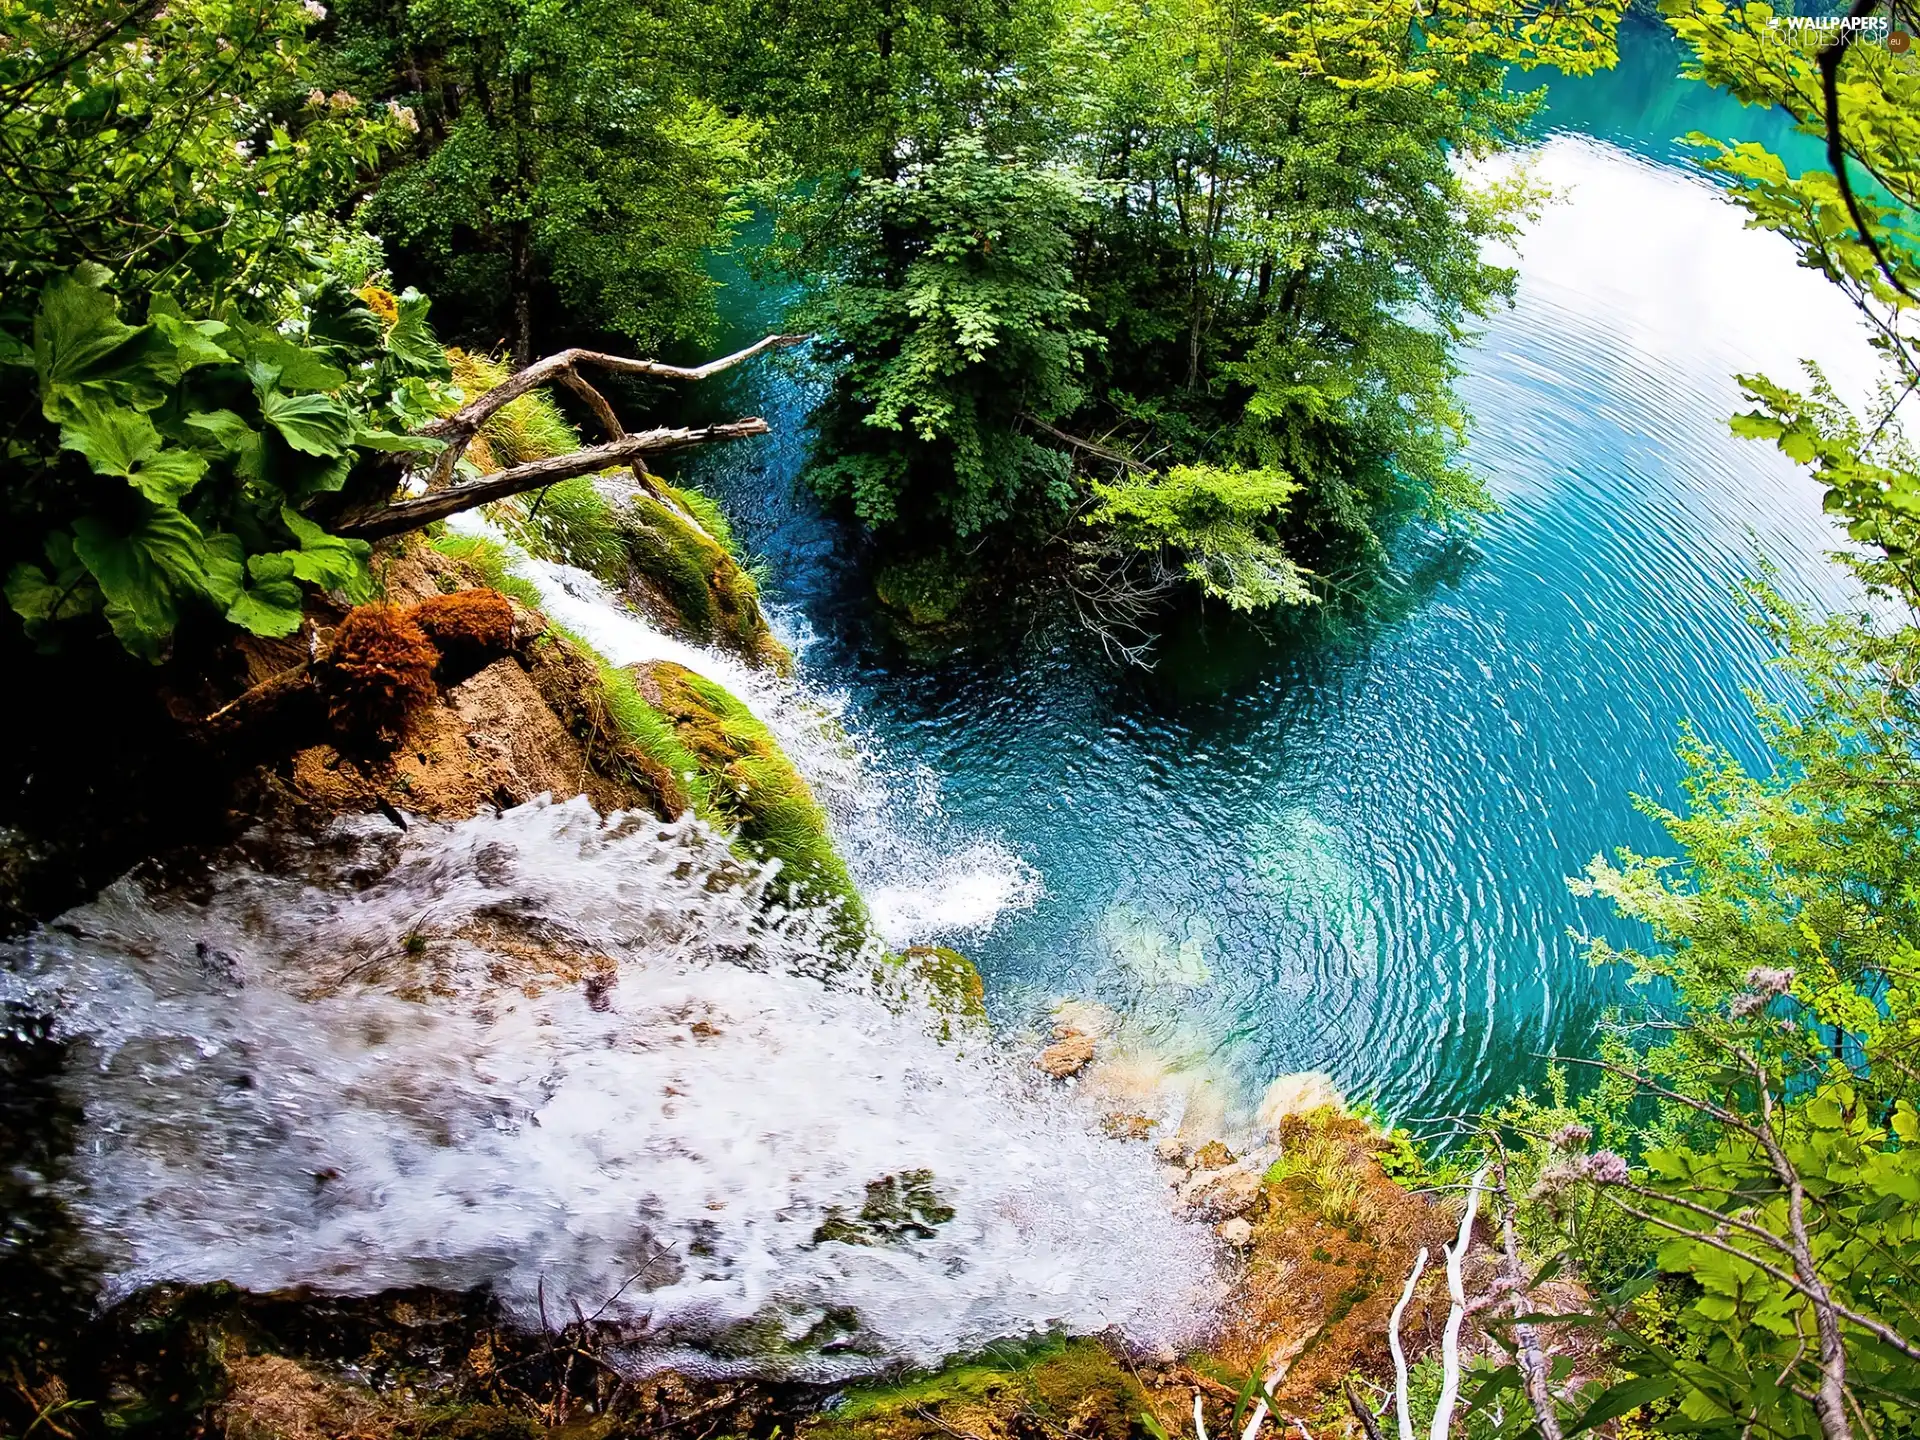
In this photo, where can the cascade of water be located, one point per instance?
(535, 1051)
(920, 881)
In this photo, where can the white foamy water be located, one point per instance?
(920, 881)
(531, 1050)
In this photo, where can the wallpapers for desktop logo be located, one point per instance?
(1825, 28)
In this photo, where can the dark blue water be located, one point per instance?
(1347, 848)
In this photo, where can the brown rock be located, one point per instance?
(1221, 1194)
(1236, 1232)
(1127, 1127)
(1214, 1155)
(1067, 1057)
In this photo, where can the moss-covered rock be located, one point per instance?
(926, 591)
(753, 787)
(688, 579)
(1059, 1388)
(953, 984)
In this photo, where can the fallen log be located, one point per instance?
(403, 515)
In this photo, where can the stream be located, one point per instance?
(1346, 849)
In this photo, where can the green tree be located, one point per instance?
(182, 147)
(1279, 253)
(951, 322)
(566, 169)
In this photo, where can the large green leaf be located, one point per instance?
(328, 560)
(194, 342)
(1620, 1399)
(276, 363)
(142, 571)
(401, 444)
(411, 343)
(80, 343)
(123, 442)
(269, 603)
(312, 424)
(60, 591)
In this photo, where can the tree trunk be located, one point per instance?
(520, 258)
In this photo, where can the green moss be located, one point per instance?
(697, 578)
(926, 591)
(1053, 1387)
(489, 562)
(756, 788)
(572, 523)
(640, 727)
(899, 1208)
(712, 518)
(954, 986)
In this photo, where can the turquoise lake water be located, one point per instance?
(1349, 852)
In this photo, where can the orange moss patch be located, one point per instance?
(1329, 1256)
(467, 624)
(378, 673)
(273, 1398)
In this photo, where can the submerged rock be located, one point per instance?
(1220, 1194)
(1067, 1057)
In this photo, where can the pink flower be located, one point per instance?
(1603, 1167)
(1572, 1137)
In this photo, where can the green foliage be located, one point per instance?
(566, 160)
(1771, 1076)
(173, 457)
(572, 523)
(1242, 241)
(1752, 1333)
(1222, 523)
(1288, 254)
(952, 321)
(173, 144)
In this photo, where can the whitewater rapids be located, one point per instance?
(581, 1062)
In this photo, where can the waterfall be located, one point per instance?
(921, 882)
(578, 1060)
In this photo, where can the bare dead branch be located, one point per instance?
(1363, 1412)
(404, 515)
(1401, 1408)
(1456, 1313)
(1532, 1362)
(1112, 457)
(460, 427)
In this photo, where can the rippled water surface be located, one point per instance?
(1350, 852)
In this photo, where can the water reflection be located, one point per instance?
(1286, 851)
